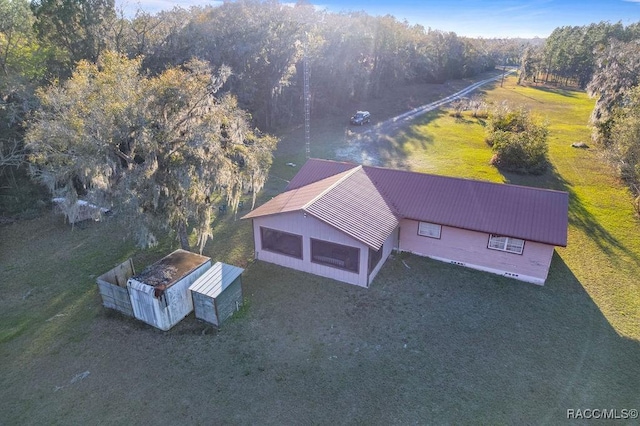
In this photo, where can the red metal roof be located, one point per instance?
(532, 214)
(296, 199)
(348, 201)
(315, 169)
(355, 207)
(362, 202)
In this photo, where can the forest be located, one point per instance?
(603, 59)
(352, 56)
(78, 71)
(257, 49)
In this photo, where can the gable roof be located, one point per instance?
(355, 207)
(347, 201)
(297, 198)
(365, 202)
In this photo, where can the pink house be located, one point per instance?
(342, 220)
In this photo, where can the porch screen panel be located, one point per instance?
(281, 242)
(374, 258)
(335, 255)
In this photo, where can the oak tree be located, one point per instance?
(157, 150)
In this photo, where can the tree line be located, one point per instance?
(158, 114)
(241, 64)
(352, 56)
(604, 59)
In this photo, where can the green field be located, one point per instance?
(427, 343)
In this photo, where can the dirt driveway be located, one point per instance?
(361, 144)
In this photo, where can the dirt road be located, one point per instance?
(361, 146)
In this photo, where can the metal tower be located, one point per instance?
(307, 105)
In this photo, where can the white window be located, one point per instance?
(431, 230)
(512, 245)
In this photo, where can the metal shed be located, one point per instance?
(217, 294)
(113, 287)
(160, 294)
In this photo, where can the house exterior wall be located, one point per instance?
(309, 227)
(171, 308)
(469, 248)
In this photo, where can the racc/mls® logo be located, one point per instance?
(602, 414)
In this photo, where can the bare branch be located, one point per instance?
(11, 154)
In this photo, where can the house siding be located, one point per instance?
(309, 227)
(469, 248)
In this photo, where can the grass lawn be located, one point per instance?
(427, 343)
(604, 245)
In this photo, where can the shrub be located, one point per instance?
(518, 142)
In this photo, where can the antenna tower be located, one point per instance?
(307, 105)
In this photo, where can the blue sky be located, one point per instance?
(473, 18)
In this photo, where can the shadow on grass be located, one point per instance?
(427, 343)
(387, 144)
(460, 119)
(572, 93)
(579, 215)
(600, 366)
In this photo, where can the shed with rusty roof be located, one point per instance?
(342, 220)
(160, 294)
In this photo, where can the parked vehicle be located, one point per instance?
(360, 118)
